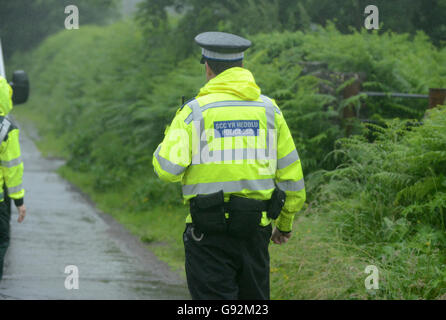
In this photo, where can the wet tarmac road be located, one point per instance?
(62, 228)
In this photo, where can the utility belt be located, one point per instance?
(208, 213)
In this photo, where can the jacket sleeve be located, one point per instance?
(173, 155)
(12, 167)
(289, 176)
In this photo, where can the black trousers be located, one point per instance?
(5, 218)
(219, 266)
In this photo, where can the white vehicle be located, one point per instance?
(19, 83)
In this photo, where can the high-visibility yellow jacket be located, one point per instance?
(232, 138)
(11, 164)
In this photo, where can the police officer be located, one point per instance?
(234, 155)
(11, 170)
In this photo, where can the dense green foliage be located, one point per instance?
(391, 63)
(251, 17)
(389, 198)
(24, 23)
(108, 98)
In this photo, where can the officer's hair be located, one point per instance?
(218, 67)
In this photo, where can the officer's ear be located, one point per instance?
(209, 73)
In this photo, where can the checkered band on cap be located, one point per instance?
(212, 55)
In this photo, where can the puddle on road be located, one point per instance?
(88, 220)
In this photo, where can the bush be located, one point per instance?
(389, 197)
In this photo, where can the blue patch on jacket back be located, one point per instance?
(235, 128)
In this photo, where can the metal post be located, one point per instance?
(349, 112)
(436, 97)
(2, 62)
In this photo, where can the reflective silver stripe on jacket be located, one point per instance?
(291, 185)
(15, 189)
(11, 163)
(168, 166)
(228, 186)
(270, 123)
(289, 159)
(237, 155)
(4, 129)
(265, 103)
(205, 156)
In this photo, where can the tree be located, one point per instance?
(254, 16)
(24, 23)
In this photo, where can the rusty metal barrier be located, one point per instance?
(436, 97)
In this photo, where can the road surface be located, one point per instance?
(62, 229)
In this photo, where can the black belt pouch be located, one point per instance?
(208, 213)
(276, 203)
(244, 216)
